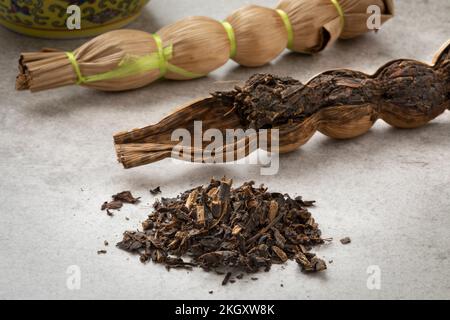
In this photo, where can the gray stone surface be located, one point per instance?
(388, 190)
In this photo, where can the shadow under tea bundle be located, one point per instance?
(340, 104)
(193, 47)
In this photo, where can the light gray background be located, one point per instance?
(388, 190)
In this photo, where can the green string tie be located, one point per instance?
(341, 13)
(164, 55)
(288, 25)
(131, 65)
(230, 32)
(163, 61)
(76, 67)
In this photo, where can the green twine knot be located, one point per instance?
(131, 65)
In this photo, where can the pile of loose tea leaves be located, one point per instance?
(227, 230)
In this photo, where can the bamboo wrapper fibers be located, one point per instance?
(193, 47)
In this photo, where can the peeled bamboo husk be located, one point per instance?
(316, 24)
(341, 104)
(195, 46)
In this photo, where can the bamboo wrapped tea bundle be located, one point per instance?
(193, 47)
(340, 104)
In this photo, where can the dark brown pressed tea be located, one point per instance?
(125, 197)
(155, 191)
(341, 104)
(228, 230)
(267, 101)
(112, 205)
(118, 201)
(407, 87)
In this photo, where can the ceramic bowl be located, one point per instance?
(47, 19)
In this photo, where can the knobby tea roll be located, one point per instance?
(193, 47)
(339, 103)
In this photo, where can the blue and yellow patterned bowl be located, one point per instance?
(47, 18)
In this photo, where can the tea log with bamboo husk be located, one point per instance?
(193, 47)
(341, 104)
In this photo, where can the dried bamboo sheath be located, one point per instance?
(252, 36)
(340, 104)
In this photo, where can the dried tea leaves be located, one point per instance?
(346, 240)
(226, 230)
(227, 278)
(125, 197)
(113, 205)
(155, 191)
(402, 86)
(118, 201)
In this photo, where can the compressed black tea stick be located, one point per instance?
(340, 104)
